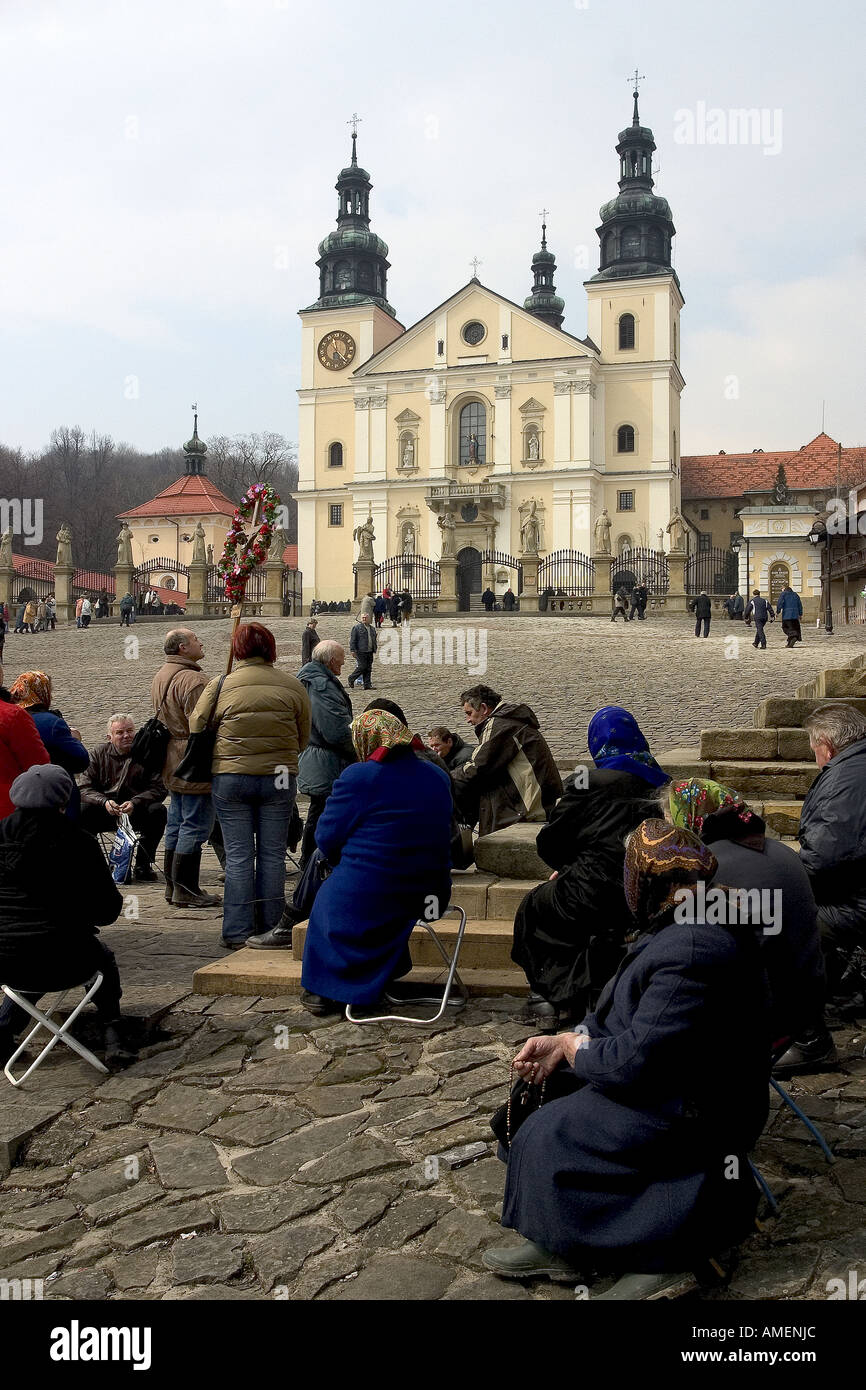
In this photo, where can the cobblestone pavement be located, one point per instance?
(257, 1152)
(566, 668)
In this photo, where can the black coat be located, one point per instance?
(55, 890)
(634, 1170)
(569, 934)
(309, 639)
(833, 839)
(702, 606)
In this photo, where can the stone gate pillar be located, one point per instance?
(7, 589)
(63, 575)
(195, 599)
(530, 565)
(272, 603)
(363, 582)
(676, 602)
(601, 581)
(123, 582)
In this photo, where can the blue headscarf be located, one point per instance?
(616, 743)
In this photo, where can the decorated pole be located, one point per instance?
(242, 553)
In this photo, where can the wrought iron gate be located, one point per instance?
(568, 572)
(713, 571)
(413, 572)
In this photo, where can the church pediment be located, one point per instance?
(532, 407)
(408, 417)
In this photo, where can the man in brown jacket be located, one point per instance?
(114, 785)
(174, 694)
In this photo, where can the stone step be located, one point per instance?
(835, 683)
(782, 816)
(785, 712)
(511, 853)
(470, 890)
(486, 943)
(776, 780)
(789, 744)
(271, 974)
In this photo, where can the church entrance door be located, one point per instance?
(468, 576)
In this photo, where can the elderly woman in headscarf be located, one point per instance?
(777, 900)
(32, 691)
(385, 830)
(643, 1170)
(568, 932)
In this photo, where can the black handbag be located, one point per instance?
(196, 765)
(311, 880)
(150, 744)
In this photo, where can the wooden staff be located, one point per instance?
(238, 609)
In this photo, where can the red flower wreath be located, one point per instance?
(243, 553)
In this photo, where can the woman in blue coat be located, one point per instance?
(644, 1168)
(386, 831)
(32, 691)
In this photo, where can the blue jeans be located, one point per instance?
(254, 815)
(190, 821)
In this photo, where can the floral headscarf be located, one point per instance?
(616, 742)
(714, 812)
(375, 733)
(32, 688)
(660, 861)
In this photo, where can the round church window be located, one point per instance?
(474, 333)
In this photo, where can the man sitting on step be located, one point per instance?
(512, 775)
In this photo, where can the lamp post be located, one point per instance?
(819, 534)
(736, 546)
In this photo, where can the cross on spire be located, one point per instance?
(544, 215)
(636, 80)
(354, 121)
(475, 263)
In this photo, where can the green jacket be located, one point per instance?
(261, 721)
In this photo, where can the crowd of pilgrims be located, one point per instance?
(636, 1104)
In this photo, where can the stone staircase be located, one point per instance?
(506, 868)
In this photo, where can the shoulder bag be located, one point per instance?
(196, 765)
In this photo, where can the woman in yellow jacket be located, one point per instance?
(262, 724)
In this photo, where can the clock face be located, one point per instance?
(336, 350)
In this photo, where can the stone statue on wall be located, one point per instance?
(533, 449)
(530, 532)
(661, 535)
(408, 541)
(210, 554)
(6, 561)
(407, 460)
(448, 526)
(602, 533)
(676, 529)
(199, 554)
(473, 448)
(64, 546)
(365, 536)
(124, 547)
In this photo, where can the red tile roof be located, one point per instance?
(290, 557)
(193, 495)
(731, 475)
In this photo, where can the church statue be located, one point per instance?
(676, 529)
(408, 539)
(473, 448)
(210, 554)
(602, 533)
(532, 451)
(447, 526)
(64, 547)
(661, 544)
(124, 547)
(365, 536)
(530, 531)
(408, 460)
(6, 561)
(198, 551)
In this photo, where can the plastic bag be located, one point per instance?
(120, 854)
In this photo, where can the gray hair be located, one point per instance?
(326, 650)
(837, 724)
(175, 639)
(120, 719)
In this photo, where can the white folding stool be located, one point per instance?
(60, 1032)
(450, 961)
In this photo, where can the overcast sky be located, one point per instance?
(168, 170)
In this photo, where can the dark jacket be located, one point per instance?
(406, 603)
(789, 605)
(792, 955)
(640, 596)
(508, 600)
(330, 749)
(55, 890)
(176, 688)
(63, 749)
(309, 639)
(759, 609)
(386, 827)
(735, 606)
(569, 933)
(702, 606)
(113, 776)
(363, 639)
(461, 752)
(833, 839)
(635, 1167)
(512, 775)
(380, 607)
(488, 598)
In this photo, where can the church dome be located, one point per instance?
(636, 228)
(353, 261)
(353, 239)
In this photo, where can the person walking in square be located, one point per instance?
(762, 612)
(639, 601)
(791, 610)
(362, 645)
(702, 607)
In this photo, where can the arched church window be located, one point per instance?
(631, 243)
(358, 204)
(335, 456)
(365, 275)
(343, 275)
(625, 439)
(473, 434)
(626, 332)
(348, 202)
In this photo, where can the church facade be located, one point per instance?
(458, 424)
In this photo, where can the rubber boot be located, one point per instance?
(117, 1051)
(187, 892)
(167, 867)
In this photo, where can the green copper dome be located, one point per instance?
(544, 302)
(353, 239)
(636, 226)
(353, 261)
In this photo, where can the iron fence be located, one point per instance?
(713, 571)
(293, 593)
(567, 572)
(640, 565)
(413, 572)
